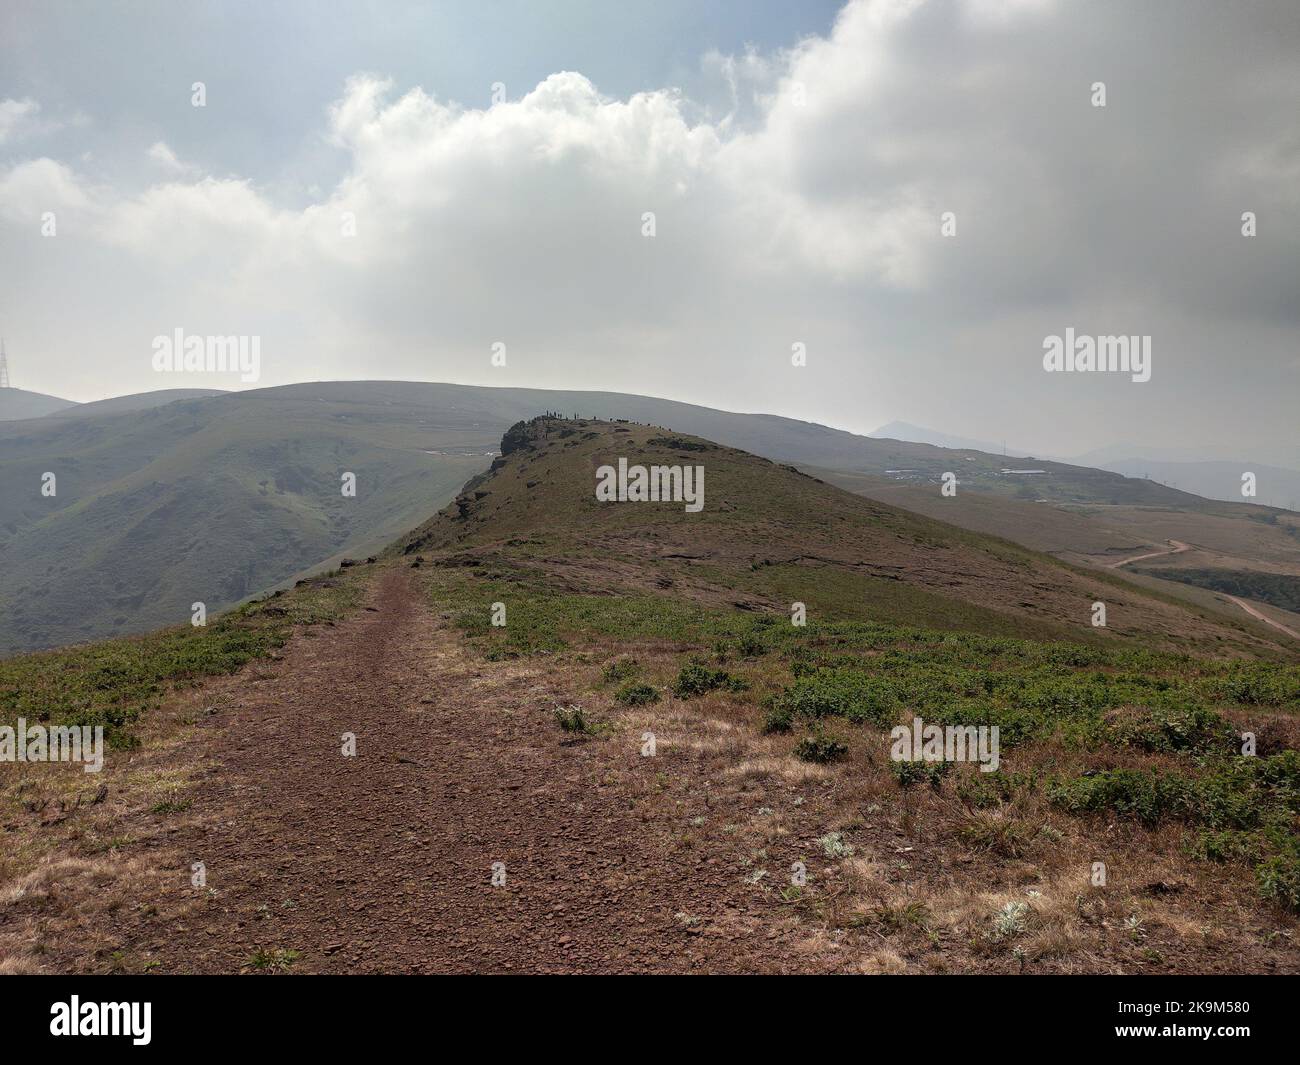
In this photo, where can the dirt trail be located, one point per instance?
(1259, 615)
(383, 861)
(1178, 548)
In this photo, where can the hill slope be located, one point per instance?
(200, 500)
(134, 402)
(16, 404)
(606, 705)
(215, 498)
(769, 535)
(1251, 550)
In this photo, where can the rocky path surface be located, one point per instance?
(384, 862)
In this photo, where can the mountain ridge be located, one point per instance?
(218, 498)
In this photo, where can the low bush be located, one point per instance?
(636, 694)
(820, 748)
(696, 679)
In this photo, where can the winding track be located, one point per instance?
(1178, 548)
(1261, 616)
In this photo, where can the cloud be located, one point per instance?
(165, 159)
(808, 211)
(29, 189)
(18, 118)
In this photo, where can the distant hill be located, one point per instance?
(15, 403)
(1229, 545)
(1281, 455)
(1274, 486)
(207, 500)
(138, 401)
(918, 434)
(216, 498)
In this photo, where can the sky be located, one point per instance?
(673, 198)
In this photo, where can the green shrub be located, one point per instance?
(908, 772)
(1014, 725)
(636, 695)
(697, 679)
(1195, 729)
(777, 718)
(1148, 797)
(820, 748)
(1226, 846)
(983, 790)
(1278, 878)
(848, 693)
(620, 670)
(573, 719)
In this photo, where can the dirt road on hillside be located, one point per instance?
(1177, 548)
(384, 861)
(1260, 616)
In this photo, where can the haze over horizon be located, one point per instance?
(797, 163)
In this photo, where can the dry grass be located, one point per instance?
(930, 877)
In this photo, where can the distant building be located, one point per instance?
(4, 365)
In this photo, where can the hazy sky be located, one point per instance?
(798, 160)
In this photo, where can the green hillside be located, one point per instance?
(216, 497)
(622, 620)
(769, 536)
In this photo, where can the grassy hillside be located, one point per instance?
(202, 501)
(215, 497)
(769, 536)
(1241, 549)
(1119, 746)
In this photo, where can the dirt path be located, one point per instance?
(1260, 616)
(1178, 548)
(384, 861)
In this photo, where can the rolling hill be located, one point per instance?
(135, 401)
(1248, 549)
(163, 501)
(613, 707)
(1275, 486)
(16, 404)
(770, 535)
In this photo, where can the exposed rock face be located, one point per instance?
(515, 438)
